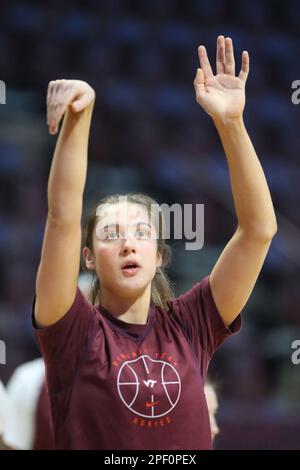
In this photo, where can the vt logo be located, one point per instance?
(150, 383)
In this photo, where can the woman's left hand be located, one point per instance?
(222, 95)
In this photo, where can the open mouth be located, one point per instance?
(130, 268)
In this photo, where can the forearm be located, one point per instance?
(252, 199)
(69, 165)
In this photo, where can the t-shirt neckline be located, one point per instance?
(133, 330)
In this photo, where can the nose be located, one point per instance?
(128, 246)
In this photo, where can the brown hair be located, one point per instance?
(161, 286)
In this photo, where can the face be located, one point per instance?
(125, 249)
(212, 405)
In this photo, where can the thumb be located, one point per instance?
(199, 83)
(80, 104)
(77, 106)
(199, 79)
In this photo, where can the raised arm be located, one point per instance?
(58, 270)
(223, 97)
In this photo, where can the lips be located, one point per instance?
(130, 264)
(130, 267)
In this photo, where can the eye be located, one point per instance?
(112, 236)
(142, 233)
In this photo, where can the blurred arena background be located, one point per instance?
(149, 135)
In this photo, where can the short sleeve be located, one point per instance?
(200, 319)
(63, 344)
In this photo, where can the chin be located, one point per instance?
(133, 285)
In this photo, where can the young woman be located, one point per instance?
(124, 372)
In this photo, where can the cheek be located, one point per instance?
(148, 254)
(105, 257)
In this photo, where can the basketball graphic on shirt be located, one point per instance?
(149, 388)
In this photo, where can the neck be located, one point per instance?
(131, 309)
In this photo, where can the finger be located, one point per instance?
(204, 62)
(63, 97)
(53, 112)
(48, 99)
(199, 84)
(229, 56)
(53, 102)
(52, 130)
(59, 111)
(243, 75)
(220, 55)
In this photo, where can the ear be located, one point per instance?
(89, 258)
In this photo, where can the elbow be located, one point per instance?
(274, 228)
(271, 229)
(268, 235)
(263, 233)
(264, 237)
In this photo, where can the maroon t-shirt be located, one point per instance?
(43, 439)
(115, 386)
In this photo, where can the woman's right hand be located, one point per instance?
(63, 93)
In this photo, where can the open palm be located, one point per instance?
(222, 95)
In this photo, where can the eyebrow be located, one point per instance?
(107, 226)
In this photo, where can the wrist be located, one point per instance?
(228, 123)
